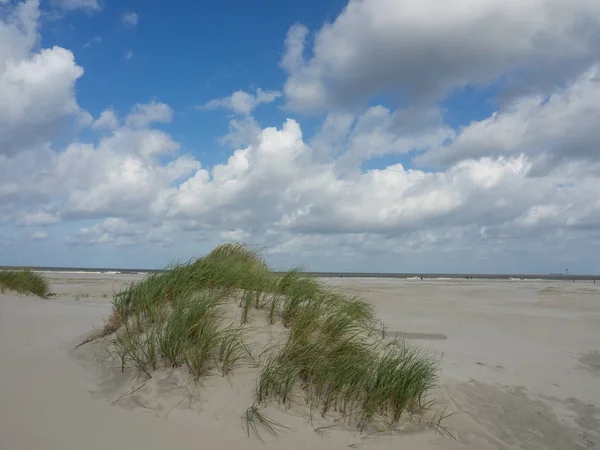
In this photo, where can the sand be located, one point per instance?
(519, 369)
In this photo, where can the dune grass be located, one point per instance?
(334, 359)
(173, 318)
(336, 354)
(254, 421)
(23, 282)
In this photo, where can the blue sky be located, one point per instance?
(220, 47)
(378, 135)
(183, 56)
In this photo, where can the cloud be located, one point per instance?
(242, 131)
(117, 232)
(278, 195)
(124, 173)
(72, 5)
(423, 51)
(94, 40)
(128, 55)
(108, 120)
(295, 43)
(129, 19)
(277, 185)
(515, 191)
(39, 235)
(243, 103)
(237, 235)
(145, 114)
(559, 128)
(37, 98)
(377, 132)
(18, 32)
(39, 218)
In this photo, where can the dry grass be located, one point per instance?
(254, 421)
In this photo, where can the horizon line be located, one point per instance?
(333, 274)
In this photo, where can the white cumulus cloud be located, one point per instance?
(108, 120)
(514, 191)
(243, 103)
(423, 50)
(552, 129)
(148, 113)
(36, 88)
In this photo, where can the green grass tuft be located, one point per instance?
(337, 360)
(23, 282)
(335, 357)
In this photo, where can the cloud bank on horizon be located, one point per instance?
(367, 170)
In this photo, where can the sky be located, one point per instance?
(368, 135)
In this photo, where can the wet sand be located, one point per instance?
(519, 369)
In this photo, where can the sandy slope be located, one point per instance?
(519, 363)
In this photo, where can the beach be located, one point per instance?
(519, 368)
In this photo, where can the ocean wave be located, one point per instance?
(67, 271)
(91, 272)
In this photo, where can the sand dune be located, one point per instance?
(520, 369)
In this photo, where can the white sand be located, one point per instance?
(520, 368)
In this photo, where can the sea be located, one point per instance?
(406, 276)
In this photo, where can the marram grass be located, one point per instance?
(253, 421)
(334, 359)
(23, 282)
